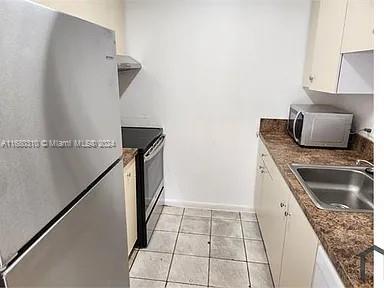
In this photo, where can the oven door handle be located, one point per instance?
(152, 152)
(294, 127)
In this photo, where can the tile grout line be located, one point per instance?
(265, 251)
(211, 218)
(162, 281)
(205, 234)
(199, 256)
(174, 248)
(245, 251)
(210, 244)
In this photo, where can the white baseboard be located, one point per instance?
(208, 205)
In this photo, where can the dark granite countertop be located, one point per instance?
(128, 155)
(343, 234)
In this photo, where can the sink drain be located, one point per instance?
(338, 205)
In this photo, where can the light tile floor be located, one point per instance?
(193, 248)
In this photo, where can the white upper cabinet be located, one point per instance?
(311, 43)
(358, 32)
(337, 27)
(326, 51)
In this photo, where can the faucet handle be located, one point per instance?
(369, 170)
(360, 161)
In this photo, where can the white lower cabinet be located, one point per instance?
(130, 203)
(290, 242)
(325, 274)
(299, 251)
(271, 217)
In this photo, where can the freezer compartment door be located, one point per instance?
(87, 248)
(58, 83)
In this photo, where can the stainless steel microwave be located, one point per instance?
(317, 125)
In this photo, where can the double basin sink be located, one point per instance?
(337, 188)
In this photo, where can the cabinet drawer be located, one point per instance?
(262, 149)
(272, 168)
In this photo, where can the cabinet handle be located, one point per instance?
(263, 155)
(282, 205)
(311, 78)
(286, 213)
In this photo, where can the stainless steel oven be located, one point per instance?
(149, 177)
(153, 174)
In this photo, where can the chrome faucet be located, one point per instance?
(368, 169)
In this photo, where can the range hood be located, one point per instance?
(127, 68)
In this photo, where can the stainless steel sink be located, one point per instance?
(337, 188)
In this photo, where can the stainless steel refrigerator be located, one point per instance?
(62, 212)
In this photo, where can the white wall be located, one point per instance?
(108, 13)
(379, 153)
(211, 69)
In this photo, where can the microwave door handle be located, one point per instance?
(155, 149)
(294, 127)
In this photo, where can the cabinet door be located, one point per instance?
(259, 176)
(130, 204)
(358, 31)
(299, 249)
(327, 48)
(271, 218)
(315, 7)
